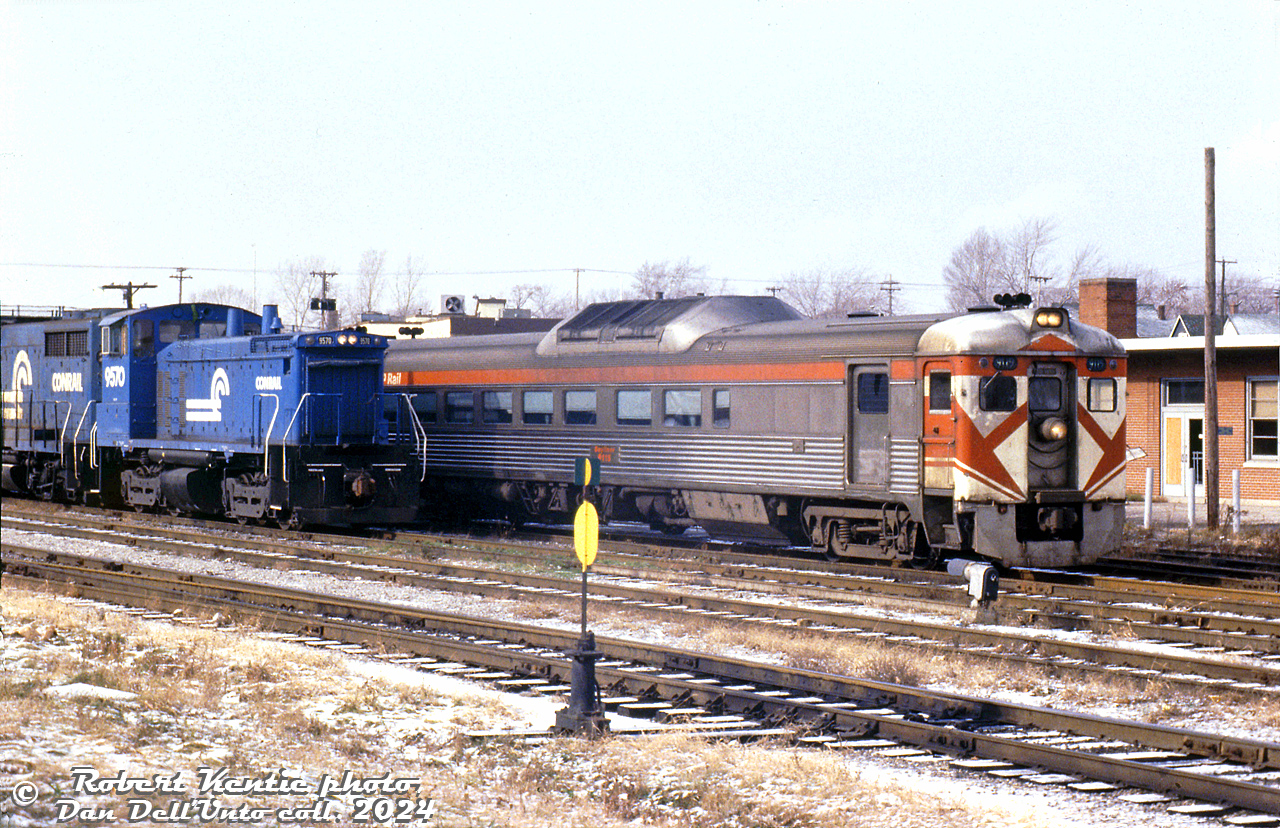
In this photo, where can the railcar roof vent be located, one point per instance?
(663, 325)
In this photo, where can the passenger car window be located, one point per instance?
(580, 407)
(459, 407)
(998, 393)
(537, 407)
(425, 405)
(873, 393)
(497, 407)
(635, 407)
(940, 391)
(720, 408)
(682, 407)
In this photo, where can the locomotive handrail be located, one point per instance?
(419, 434)
(284, 467)
(266, 439)
(75, 463)
(93, 446)
(62, 432)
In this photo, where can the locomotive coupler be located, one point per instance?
(585, 714)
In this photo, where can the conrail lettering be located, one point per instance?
(67, 382)
(268, 384)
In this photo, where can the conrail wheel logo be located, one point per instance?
(210, 410)
(16, 395)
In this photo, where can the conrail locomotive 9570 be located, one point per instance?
(207, 409)
(996, 435)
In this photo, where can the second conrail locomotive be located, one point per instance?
(204, 409)
(996, 435)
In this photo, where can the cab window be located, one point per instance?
(144, 342)
(998, 393)
(1044, 394)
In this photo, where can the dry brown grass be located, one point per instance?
(222, 698)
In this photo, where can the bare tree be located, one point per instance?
(366, 295)
(406, 291)
(297, 285)
(1251, 294)
(976, 271)
(226, 295)
(824, 294)
(1028, 268)
(672, 280)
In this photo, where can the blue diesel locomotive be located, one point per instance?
(204, 409)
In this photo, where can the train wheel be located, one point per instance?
(837, 540)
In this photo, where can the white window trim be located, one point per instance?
(1266, 460)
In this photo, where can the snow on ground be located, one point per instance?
(1015, 804)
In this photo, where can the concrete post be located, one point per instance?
(1235, 501)
(1191, 495)
(1146, 499)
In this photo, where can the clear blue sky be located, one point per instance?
(755, 138)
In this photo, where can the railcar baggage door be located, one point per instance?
(868, 463)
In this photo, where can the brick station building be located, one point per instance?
(1165, 400)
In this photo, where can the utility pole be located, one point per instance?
(577, 288)
(1222, 288)
(890, 288)
(1210, 351)
(328, 310)
(774, 291)
(181, 277)
(129, 289)
(1043, 280)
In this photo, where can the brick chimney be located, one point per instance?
(1110, 303)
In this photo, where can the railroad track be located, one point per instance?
(1254, 641)
(1191, 772)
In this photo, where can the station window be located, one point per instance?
(537, 407)
(1184, 392)
(939, 390)
(1102, 394)
(1264, 439)
(497, 407)
(425, 404)
(635, 407)
(720, 408)
(998, 393)
(1044, 394)
(682, 407)
(580, 407)
(873, 393)
(459, 407)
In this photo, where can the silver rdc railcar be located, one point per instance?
(997, 435)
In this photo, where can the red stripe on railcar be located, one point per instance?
(639, 374)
